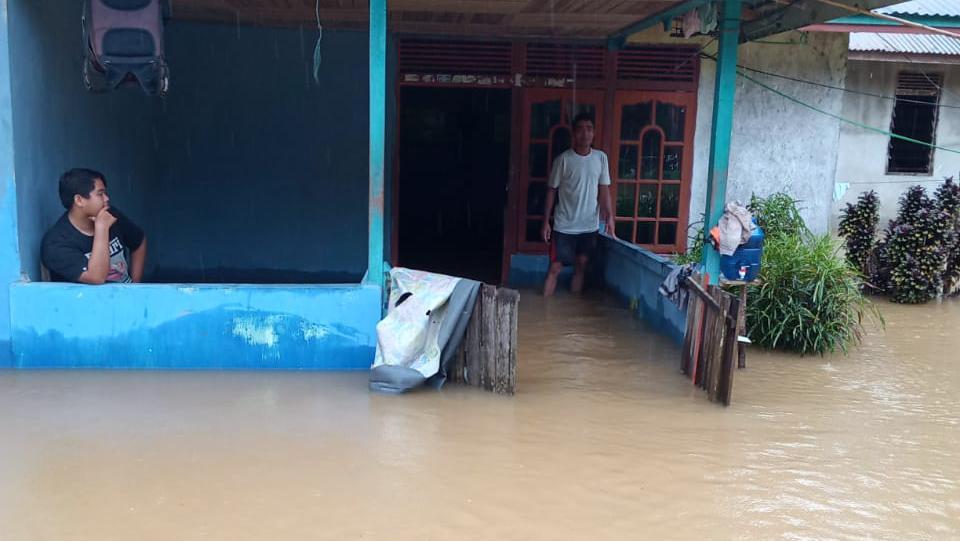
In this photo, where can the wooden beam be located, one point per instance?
(799, 14)
(889, 18)
(539, 20)
(518, 11)
(872, 28)
(497, 7)
(495, 30)
(619, 38)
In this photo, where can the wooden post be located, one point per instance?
(689, 337)
(725, 390)
(712, 375)
(698, 334)
(506, 358)
(742, 327)
(471, 345)
(711, 339)
(708, 343)
(488, 336)
(457, 366)
(488, 354)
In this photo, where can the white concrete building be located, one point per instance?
(907, 84)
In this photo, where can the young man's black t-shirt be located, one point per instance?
(66, 251)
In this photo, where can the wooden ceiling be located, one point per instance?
(504, 18)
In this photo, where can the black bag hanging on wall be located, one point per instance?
(123, 43)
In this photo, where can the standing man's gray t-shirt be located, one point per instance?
(576, 178)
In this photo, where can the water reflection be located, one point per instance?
(605, 440)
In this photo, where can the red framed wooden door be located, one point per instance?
(546, 133)
(652, 164)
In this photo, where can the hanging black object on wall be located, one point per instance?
(123, 44)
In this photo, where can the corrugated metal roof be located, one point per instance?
(904, 43)
(924, 8)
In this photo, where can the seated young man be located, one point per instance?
(89, 244)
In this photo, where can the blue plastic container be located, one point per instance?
(744, 264)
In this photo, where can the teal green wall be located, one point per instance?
(263, 172)
(249, 171)
(59, 125)
(9, 247)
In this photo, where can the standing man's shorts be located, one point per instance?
(565, 247)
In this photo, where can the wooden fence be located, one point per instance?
(710, 342)
(487, 357)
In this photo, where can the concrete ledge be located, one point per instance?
(635, 274)
(528, 271)
(249, 327)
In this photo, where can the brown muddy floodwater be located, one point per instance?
(604, 441)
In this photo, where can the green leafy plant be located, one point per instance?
(858, 226)
(913, 255)
(948, 201)
(694, 253)
(809, 299)
(778, 214)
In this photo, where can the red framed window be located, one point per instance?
(547, 133)
(652, 167)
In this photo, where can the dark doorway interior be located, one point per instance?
(454, 161)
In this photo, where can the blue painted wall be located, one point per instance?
(9, 246)
(59, 125)
(248, 172)
(635, 275)
(196, 327)
(263, 173)
(632, 273)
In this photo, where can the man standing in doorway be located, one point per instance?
(579, 179)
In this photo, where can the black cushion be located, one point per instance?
(125, 5)
(128, 42)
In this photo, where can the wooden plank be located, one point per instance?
(514, 343)
(716, 349)
(706, 342)
(455, 371)
(690, 335)
(488, 356)
(710, 342)
(551, 20)
(472, 354)
(687, 339)
(692, 281)
(488, 336)
(498, 7)
(742, 327)
(725, 390)
(505, 376)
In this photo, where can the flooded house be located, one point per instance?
(304, 147)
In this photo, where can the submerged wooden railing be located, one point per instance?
(710, 342)
(487, 358)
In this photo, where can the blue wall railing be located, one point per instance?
(194, 326)
(633, 273)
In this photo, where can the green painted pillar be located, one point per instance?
(724, 92)
(378, 92)
(10, 266)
